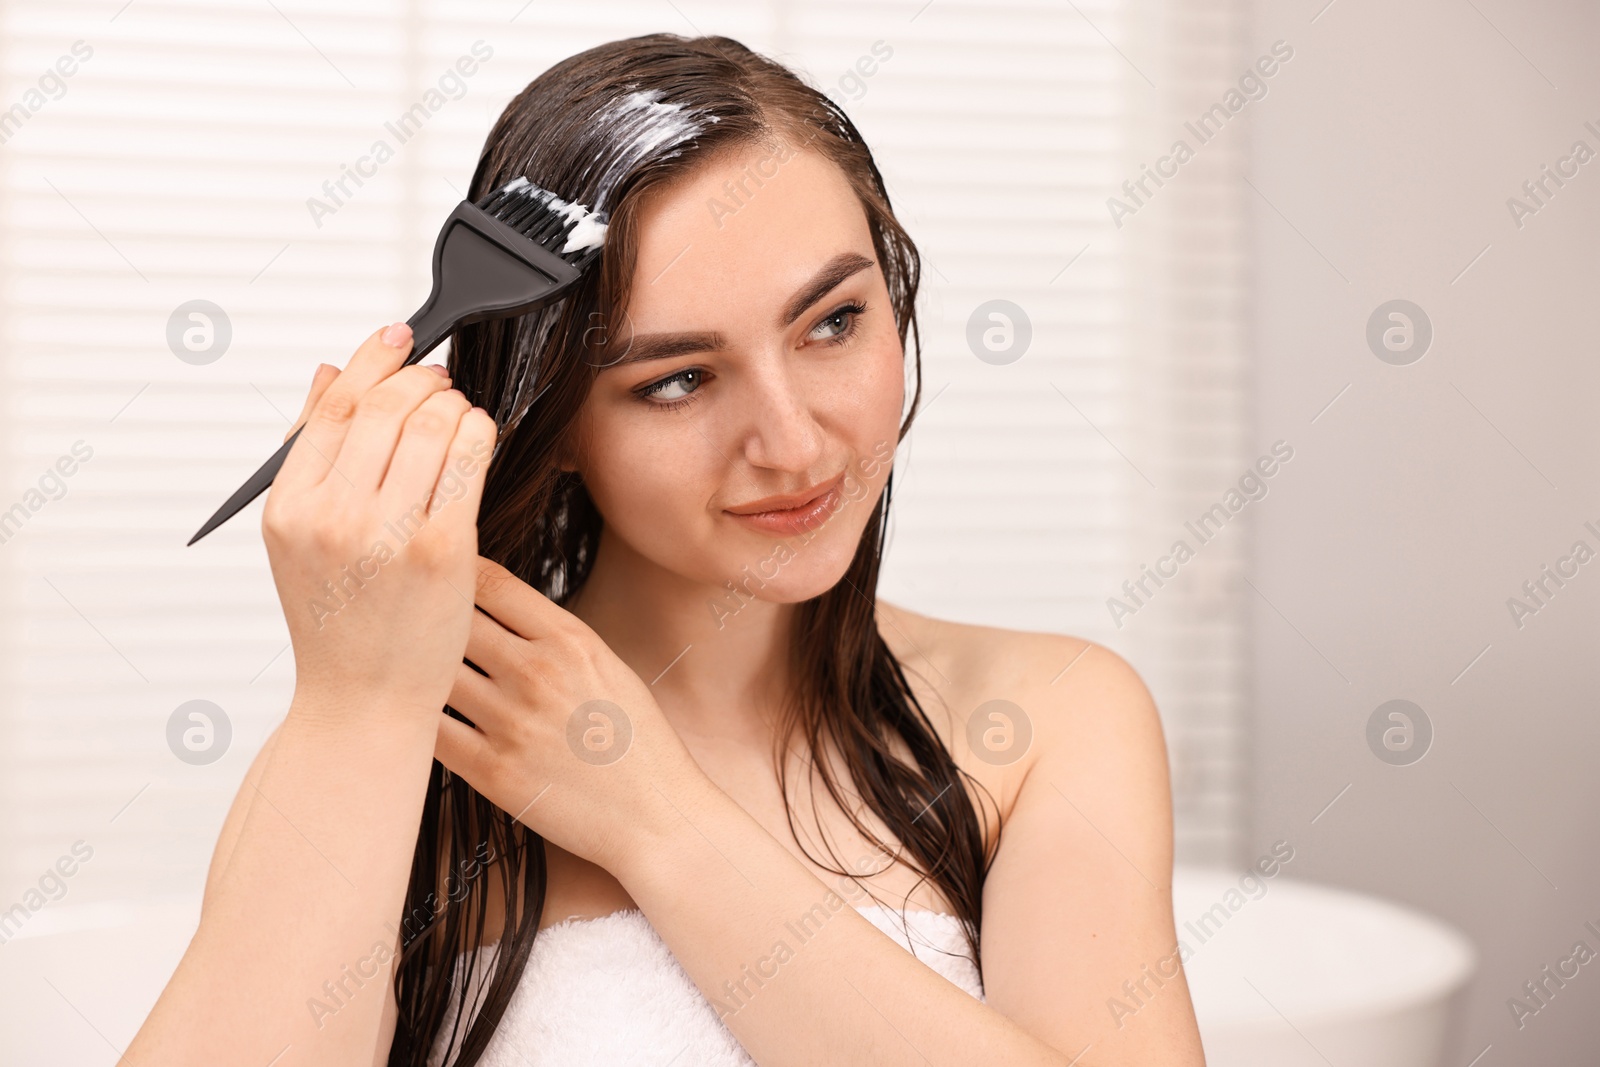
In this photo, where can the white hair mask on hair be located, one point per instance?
(638, 125)
(589, 227)
(626, 131)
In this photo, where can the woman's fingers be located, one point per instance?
(475, 695)
(420, 455)
(315, 450)
(382, 413)
(320, 380)
(460, 482)
(518, 606)
(461, 749)
(499, 652)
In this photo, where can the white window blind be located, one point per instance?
(176, 162)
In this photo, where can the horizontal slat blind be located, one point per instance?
(177, 165)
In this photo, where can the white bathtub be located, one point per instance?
(1304, 974)
(1361, 980)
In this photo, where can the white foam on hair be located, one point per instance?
(638, 125)
(589, 227)
(632, 127)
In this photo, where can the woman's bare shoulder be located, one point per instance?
(1011, 694)
(975, 657)
(1028, 688)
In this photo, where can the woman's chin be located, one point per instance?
(786, 572)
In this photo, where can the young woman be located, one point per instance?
(546, 792)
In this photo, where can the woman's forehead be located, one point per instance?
(749, 225)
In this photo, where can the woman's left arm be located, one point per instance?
(794, 971)
(1077, 903)
(1079, 944)
(1078, 898)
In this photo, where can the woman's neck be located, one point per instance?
(716, 663)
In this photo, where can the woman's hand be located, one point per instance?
(568, 739)
(371, 529)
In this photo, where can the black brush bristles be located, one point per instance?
(515, 251)
(547, 220)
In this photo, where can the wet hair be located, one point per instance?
(604, 128)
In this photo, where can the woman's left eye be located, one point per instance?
(850, 314)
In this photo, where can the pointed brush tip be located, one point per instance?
(210, 524)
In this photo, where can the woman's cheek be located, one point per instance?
(651, 487)
(887, 396)
(662, 485)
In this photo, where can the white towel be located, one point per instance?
(609, 991)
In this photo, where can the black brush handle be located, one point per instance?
(430, 333)
(493, 271)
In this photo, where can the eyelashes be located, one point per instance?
(655, 390)
(854, 310)
(648, 393)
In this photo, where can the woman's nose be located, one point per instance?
(780, 429)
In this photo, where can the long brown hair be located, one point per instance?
(532, 374)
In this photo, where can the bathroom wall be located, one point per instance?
(1432, 480)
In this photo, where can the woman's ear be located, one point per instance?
(564, 457)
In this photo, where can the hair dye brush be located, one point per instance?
(514, 251)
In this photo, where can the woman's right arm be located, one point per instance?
(293, 959)
(231, 825)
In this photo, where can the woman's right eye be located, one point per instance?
(653, 394)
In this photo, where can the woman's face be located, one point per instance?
(757, 357)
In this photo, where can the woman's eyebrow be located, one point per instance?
(650, 346)
(822, 283)
(645, 347)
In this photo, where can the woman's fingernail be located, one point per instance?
(438, 368)
(321, 367)
(397, 335)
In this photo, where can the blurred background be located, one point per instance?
(1298, 285)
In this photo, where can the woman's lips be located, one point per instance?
(792, 521)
